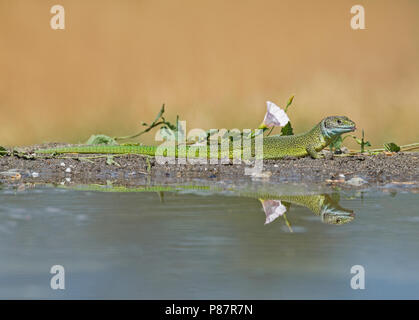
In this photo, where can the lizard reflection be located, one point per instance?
(323, 205)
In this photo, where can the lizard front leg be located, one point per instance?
(312, 152)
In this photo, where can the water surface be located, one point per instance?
(203, 244)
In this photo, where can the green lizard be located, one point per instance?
(323, 205)
(274, 147)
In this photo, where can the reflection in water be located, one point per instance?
(274, 205)
(273, 209)
(322, 205)
(207, 242)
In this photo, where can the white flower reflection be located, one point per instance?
(273, 209)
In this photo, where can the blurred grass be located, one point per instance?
(214, 63)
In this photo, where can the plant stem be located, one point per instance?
(287, 222)
(270, 131)
(140, 133)
(410, 146)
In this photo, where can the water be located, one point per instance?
(207, 244)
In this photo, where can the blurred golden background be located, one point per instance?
(214, 63)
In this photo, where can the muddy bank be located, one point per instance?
(349, 171)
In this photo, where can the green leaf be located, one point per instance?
(159, 114)
(3, 151)
(158, 121)
(289, 103)
(287, 130)
(167, 134)
(392, 147)
(101, 139)
(170, 125)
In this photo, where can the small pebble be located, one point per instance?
(35, 174)
(68, 170)
(262, 175)
(62, 164)
(334, 180)
(68, 179)
(356, 181)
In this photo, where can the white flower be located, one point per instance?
(275, 116)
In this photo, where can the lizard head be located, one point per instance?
(336, 125)
(335, 214)
(337, 219)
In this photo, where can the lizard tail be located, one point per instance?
(146, 150)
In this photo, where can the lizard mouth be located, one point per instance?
(349, 128)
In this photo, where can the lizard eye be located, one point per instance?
(339, 121)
